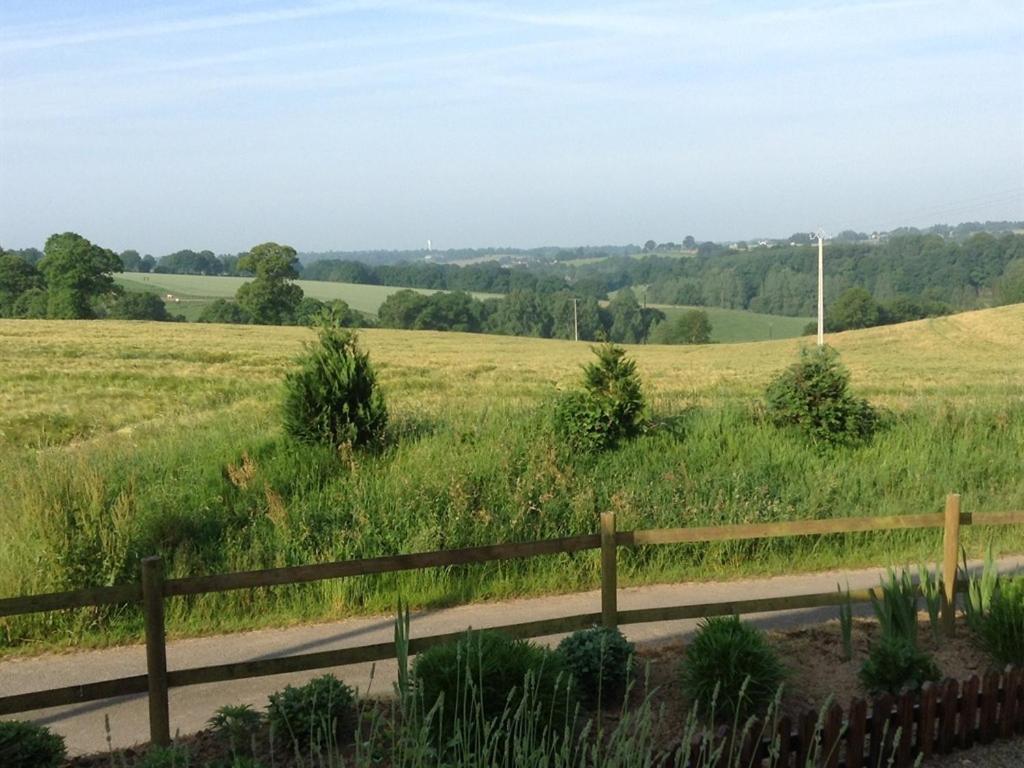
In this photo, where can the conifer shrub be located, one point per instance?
(895, 664)
(813, 395)
(333, 397)
(599, 660)
(730, 671)
(319, 713)
(27, 745)
(609, 409)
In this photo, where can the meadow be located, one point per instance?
(737, 325)
(119, 440)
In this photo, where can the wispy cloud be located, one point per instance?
(15, 40)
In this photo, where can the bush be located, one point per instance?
(139, 306)
(1000, 631)
(895, 664)
(174, 756)
(27, 745)
(319, 713)
(813, 395)
(333, 398)
(610, 408)
(598, 659)
(236, 724)
(224, 311)
(735, 659)
(485, 674)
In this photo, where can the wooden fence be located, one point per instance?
(894, 731)
(153, 589)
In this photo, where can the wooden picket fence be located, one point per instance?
(893, 731)
(154, 589)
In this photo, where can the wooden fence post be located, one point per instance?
(156, 650)
(609, 577)
(950, 555)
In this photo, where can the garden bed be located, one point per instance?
(813, 657)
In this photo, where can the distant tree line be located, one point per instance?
(544, 315)
(487, 277)
(856, 308)
(71, 278)
(928, 271)
(185, 262)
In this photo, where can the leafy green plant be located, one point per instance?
(813, 395)
(980, 589)
(730, 669)
(27, 745)
(896, 609)
(317, 714)
(1001, 631)
(174, 756)
(484, 674)
(599, 660)
(895, 664)
(236, 724)
(609, 409)
(333, 397)
(846, 622)
(932, 588)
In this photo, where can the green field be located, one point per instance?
(735, 325)
(123, 439)
(190, 293)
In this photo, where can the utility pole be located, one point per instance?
(575, 319)
(820, 234)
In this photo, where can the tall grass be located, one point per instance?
(232, 493)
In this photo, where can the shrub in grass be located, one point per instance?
(27, 745)
(895, 664)
(610, 407)
(735, 660)
(333, 397)
(813, 395)
(318, 714)
(1001, 631)
(236, 724)
(484, 674)
(598, 659)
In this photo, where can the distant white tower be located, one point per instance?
(428, 245)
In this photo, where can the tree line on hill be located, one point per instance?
(927, 271)
(549, 315)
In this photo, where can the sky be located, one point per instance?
(362, 125)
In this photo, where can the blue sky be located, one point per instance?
(343, 125)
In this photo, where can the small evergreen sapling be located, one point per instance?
(333, 397)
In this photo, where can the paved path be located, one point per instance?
(83, 725)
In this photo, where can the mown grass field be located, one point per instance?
(119, 440)
(196, 291)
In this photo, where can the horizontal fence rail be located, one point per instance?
(158, 679)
